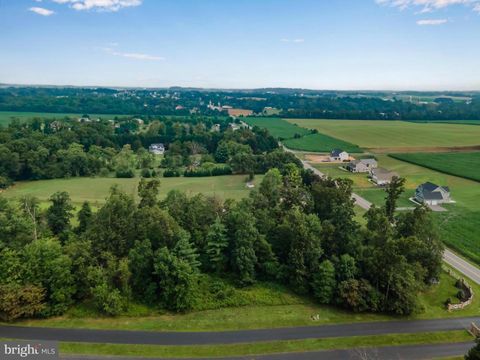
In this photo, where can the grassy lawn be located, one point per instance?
(377, 196)
(96, 190)
(320, 143)
(249, 349)
(390, 134)
(466, 165)
(278, 128)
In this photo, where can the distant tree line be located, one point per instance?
(294, 103)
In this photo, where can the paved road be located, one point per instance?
(233, 337)
(461, 265)
(410, 352)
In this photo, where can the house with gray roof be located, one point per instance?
(339, 155)
(362, 165)
(432, 194)
(381, 176)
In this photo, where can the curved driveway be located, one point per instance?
(232, 337)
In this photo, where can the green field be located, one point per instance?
(320, 143)
(395, 134)
(466, 165)
(95, 190)
(7, 116)
(278, 128)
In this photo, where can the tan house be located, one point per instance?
(362, 165)
(381, 176)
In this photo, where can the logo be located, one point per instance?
(14, 350)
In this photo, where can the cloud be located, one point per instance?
(431, 22)
(136, 56)
(99, 5)
(429, 5)
(297, 41)
(41, 11)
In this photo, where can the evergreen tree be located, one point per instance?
(59, 213)
(148, 192)
(84, 217)
(141, 266)
(217, 243)
(184, 250)
(176, 281)
(324, 283)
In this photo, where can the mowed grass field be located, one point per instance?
(96, 190)
(466, 165)
(395, 134)
(320, 143)
(279, 128)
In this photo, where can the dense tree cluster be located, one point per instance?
(46, 149)
(295, 229)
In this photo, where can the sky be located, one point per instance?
(315, 44)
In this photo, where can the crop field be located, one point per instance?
(395, 134)
(320, 143)
(466, 165)
(279, 128)
(95, 190)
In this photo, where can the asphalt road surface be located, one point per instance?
(233, 337)
(461, 265)
(410, 352)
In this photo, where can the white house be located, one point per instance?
(157, 149)
(339, 155)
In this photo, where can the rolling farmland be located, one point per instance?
(320, 143)
(395, 134)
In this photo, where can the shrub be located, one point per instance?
(125, 173)
(146, 173)
(171, 173)
(108, 301)
(20, 301)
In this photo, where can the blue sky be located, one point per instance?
(317, 44)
